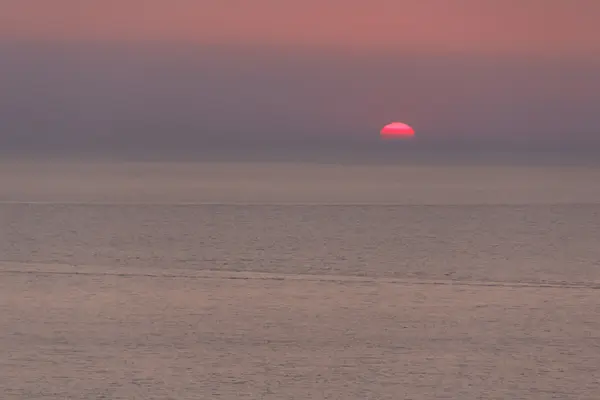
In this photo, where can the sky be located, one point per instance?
(188, 72)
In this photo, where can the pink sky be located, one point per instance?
(525, 69)
(517, 27)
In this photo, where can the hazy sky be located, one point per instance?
(497, 70)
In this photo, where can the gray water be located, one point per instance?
(453, 281)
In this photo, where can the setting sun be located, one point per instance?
(397, 130)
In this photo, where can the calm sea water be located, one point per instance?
(280, 280)
(498, 223)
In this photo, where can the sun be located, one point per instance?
(397, 130)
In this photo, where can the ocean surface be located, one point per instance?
(299, 280)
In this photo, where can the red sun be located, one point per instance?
(397, 130)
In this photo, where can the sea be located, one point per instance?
(438, 277)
